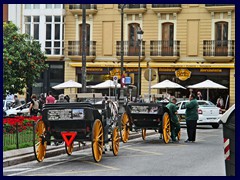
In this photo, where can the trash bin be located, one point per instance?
(228, 121)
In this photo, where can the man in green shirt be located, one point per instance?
(191, 118)
(174, 123)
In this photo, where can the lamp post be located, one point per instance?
(121, 90)
(139, 36)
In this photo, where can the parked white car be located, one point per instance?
(7, 104)
(23, 109)
(209, 114)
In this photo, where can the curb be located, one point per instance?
(27, 154)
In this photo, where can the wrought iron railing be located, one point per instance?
(79, 6)
(218, 48)
(164, 48)
(133, 6)
(75, 48)
(165, 5)
(219, 4)
(131, 48)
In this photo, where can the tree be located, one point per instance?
(23, 60)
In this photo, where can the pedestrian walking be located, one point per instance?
(34, 106)
(41, 100)
(191, 118)
(50, 99)
(174, 122)
(61, 99)
(16, 102)
(199, 95)
(220, 102)
(67, 98)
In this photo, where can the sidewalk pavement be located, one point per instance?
(17, 156)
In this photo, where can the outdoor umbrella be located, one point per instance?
(207, 84)
(108, 84)
(166, 84)
(69, 84)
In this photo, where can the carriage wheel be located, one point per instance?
(115, 141)
(69, 149)
(97, 140)
(39, 144)
(144, 133)
(166, 127)
(125, 128)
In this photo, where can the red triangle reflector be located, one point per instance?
(68, 137)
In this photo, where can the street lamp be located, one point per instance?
(139, 36)
(121, 90)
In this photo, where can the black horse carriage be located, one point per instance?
(145, 116)
(69, 122)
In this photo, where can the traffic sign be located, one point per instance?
(115, 80)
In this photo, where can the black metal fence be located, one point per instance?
(75, 48)
(165, 5)
(79, 6)
(164, 48)
(133, 6)
(18, 132)
(218, 48)
(131, 48)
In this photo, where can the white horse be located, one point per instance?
(113, 105)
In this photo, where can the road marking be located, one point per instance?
(72, 172)
(101, 165)
(43, 167)
(15, 169)
(139, 150)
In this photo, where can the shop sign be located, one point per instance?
(183, 74)
(94, 69)
(167, 69)
(211, 70)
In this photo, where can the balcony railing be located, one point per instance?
(131, 48)
(75, 48)
(165, 5)
(219, 4)
(133, 6)
(218, 48)
(79, 6)
(164, 48)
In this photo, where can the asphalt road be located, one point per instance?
(151, 157)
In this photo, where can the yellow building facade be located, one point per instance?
(185, 43)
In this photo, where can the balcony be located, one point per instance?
(130, 50)
(165, 51)
(134, 8)
(166, 8)
(218, 51)
(77, 9)
(75, 50)
(220, 7)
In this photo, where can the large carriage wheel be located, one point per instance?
(144, 133)
(115, 141)
(166, 127)
(39, 143)
(69, 149)
(97, 140)
(124, 128)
